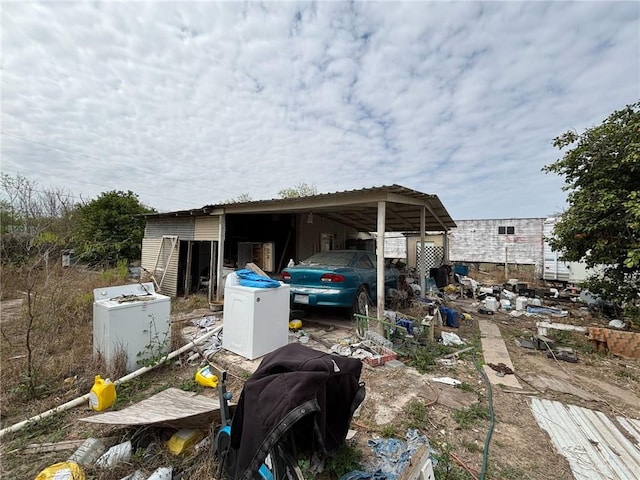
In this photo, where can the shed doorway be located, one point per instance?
(196, 261)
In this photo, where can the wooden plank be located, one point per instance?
(63, 445)
(495, 351)
(256, 269)
(170, 408)
(419, 467)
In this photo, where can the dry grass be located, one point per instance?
(55, 320)
(60, 309)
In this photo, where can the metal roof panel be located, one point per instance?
(591, 442)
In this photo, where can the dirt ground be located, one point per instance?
(518, 449)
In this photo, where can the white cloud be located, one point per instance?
(191, 103)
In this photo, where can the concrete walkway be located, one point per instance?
(495, 351)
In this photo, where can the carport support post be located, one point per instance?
(380, 259)
(423, 260)
(221, 234)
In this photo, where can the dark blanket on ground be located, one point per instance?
(299, 391)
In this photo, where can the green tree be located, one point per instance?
(300, 190)
(601, 225)
(110, 228)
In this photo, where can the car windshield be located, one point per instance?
(335, 259)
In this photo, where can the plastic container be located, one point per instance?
(117, 454)
(295, 324)
(206, 377)
(88, 452)
(162, 473)
(183, 440)
(62, 471)
(492, 304)
(102, 394)
(521, 303)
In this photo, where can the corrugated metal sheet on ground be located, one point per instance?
(593, 445)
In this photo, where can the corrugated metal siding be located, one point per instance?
(589, 440)
(150, 249)
(183, 227)
(206, 228)
(479, 241)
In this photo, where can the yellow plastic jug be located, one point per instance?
(206, 377)
(183, 440)
(62, 471)
(103, 394)
(295, 324)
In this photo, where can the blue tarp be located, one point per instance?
(247, 278)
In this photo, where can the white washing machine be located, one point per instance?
(256, 320)
(131, 319)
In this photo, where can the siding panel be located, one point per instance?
(183, 227)
(206, 228)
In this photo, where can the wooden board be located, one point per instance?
(495, 351)
(170, 408)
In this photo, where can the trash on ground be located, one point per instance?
(205, 322)
(446, 380)
(62, 471)
(206, 377)
(295, 324)
(620, 343)
(501, 369)
(619, 324)
(103, 394)
(566, 355)
(183, 440)
(88, 452)
(450, 338)
(553, 312)
(115, 455)
(391, 457)
(162, 473)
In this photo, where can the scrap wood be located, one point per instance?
(256, 269)
(522, 392)
(170, 408)
(456, 353)
(63, 445)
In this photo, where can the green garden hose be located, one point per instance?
(492, 419)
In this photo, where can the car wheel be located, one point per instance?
(361, 301)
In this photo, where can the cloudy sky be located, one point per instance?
(194, 103)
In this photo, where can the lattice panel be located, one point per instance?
(434, 257)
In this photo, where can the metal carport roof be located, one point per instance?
(355, 208)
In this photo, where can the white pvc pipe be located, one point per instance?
(85, 398)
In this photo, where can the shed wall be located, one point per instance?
(480, 241)
(206, 228)
(309, 234)
(183, 227)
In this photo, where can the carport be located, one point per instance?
(379, 209)
(181, 249)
